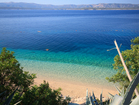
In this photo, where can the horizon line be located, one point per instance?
(68, 4)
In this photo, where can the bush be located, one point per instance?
(131, 58)
(43, 95)
(12, 77)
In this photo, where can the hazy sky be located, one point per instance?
(61, 2)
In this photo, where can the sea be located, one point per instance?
(70, 45)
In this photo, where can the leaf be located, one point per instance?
(111, 94)
(87, 100)
(7, 102)
(91, 101)
(101, 103)
(123, 93)
(118, 89)
(2, 93)
(130, 90)
(94, 99)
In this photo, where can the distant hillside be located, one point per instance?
(21, 5)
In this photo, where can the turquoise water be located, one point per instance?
(68, 72)
(68, 45)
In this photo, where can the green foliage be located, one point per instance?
(7, 102)
(12, 75)
(43, 95)
(131, 58)
(135, 41)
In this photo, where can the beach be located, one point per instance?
(73, 79)
(77, 91)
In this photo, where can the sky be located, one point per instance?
(77, 2)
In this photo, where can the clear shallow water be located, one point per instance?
(92, 75)
(77, 41)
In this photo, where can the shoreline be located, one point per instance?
(76, 90)
(74, 81)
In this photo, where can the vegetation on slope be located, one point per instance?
(131, 58)
(12, 77)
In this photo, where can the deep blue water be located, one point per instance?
(73, 37)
